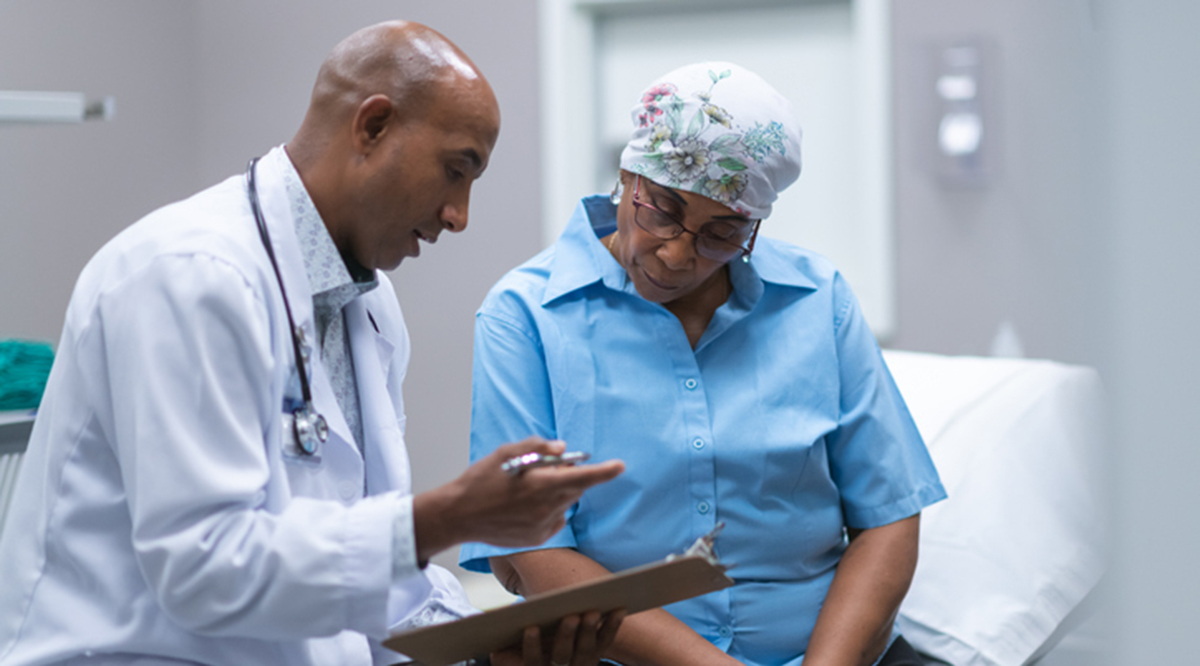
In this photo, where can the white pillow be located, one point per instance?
(1019, 542)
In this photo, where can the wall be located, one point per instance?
(202, 87)
(66, 189)
(1022, 247)
(1150, 194)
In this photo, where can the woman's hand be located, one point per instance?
(579, 641)
(650, 637)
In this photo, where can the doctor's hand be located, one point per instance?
(579, 641)
(490, 505)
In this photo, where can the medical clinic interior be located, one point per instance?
(1009, 188)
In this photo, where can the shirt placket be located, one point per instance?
(701, 455)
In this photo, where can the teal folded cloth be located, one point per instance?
(24, 368)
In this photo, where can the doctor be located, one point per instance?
(218, 473)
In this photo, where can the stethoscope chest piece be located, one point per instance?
(309, 429)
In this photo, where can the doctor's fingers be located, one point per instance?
(529, 445)
(574, 479)
(551, 490)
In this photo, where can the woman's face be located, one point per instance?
(665, 271)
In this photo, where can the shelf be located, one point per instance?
(15, 428)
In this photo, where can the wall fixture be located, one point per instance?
(19, 106)
(963, 126)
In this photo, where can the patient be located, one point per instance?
(736, 377)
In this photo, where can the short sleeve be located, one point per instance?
(877, 457)
(511, 400)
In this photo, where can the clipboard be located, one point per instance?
(695, 572)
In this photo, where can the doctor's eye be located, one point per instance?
(454, 174)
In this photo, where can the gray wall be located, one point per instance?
(1151, 167)
(1084, 239)
(66, 189)
(1021, 247)
(203, 86)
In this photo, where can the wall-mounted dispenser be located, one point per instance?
(964, 124)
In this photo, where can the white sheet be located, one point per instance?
(1018, 544)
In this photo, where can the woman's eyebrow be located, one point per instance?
(672, 193)
(683, 202)
(731, 218)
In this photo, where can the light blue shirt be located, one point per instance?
(783, 422)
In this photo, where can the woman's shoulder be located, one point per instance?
(522, 286)
(780, 261)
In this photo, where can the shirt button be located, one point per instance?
(690, 384)
(348, 489)
(702, 507)
(725, 632)
(698, 444)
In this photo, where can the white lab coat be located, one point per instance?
(158, 512)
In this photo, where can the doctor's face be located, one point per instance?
(420, 184)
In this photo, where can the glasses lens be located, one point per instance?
(655, 221)
(720, 241)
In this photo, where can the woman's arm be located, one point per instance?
(653, 637)
(855, 622)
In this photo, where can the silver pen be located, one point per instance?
(514, 466)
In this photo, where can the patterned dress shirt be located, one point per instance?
(333, 287)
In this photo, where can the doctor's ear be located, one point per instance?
(372, 119)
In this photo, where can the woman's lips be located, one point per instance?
(656, 283)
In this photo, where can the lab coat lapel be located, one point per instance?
(278, 214)
(386, 458)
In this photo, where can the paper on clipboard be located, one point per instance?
(676, 578)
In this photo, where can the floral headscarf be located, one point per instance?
(718, 130)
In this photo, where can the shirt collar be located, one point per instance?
(580, 259)
(329, 275)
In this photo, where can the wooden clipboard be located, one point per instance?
(641, 588)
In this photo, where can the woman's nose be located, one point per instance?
(677, 253)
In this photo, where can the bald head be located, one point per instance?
(400, 124)
(407, 62)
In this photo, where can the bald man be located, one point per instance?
(190, 495)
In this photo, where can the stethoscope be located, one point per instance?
(308, 426)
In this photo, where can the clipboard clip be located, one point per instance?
(703, 547)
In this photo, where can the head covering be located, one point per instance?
(718, 130)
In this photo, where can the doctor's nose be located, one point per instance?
(454, 215)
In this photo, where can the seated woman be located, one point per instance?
(737, 379)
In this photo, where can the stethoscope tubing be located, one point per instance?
(301, 370)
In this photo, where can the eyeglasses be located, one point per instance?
(717, 240)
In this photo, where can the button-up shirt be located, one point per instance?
(783, 422)
(333, 287)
